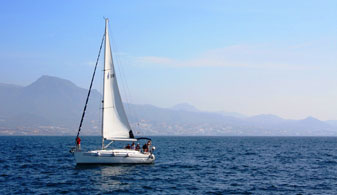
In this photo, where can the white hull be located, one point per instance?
(116, 156)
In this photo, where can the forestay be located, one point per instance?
(115, 122)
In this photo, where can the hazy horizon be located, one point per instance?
(180, 105)
(256, 57)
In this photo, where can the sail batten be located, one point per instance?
(115, 122)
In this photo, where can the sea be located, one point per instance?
(184, 165)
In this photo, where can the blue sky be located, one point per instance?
(252, 57)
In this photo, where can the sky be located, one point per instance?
(247, 56)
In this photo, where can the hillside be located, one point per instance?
(53, 106)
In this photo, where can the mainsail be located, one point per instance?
(115, 122)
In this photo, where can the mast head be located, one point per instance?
(106, 25)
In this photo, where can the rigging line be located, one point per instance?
(123, 82)
(92, 80)
(124, 85)
(128, 97)
(122, 79)
(100, 106)
(100, 118)
(128, 94)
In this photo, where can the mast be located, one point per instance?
(105, 33)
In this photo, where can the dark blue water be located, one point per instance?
(184, 165)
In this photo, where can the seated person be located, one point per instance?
(128, 146)
(133, 146)
(145, 148)
(138, 147)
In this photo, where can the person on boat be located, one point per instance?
(138, 147)
(78, 143)
(133, 146)
(145, 148)
(128, 146)
(148, 145)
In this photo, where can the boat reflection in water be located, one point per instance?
(108, 177)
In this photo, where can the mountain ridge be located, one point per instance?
(53, 106)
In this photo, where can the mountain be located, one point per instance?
(266, 118)
(185, 107)
(233, 114)
(162, 121)
(49, 102)
(332, 123)
(285, 127)
(311, 126)
(53, 106)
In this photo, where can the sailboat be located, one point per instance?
(115, 124)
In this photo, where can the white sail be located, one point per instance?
(115, 122)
